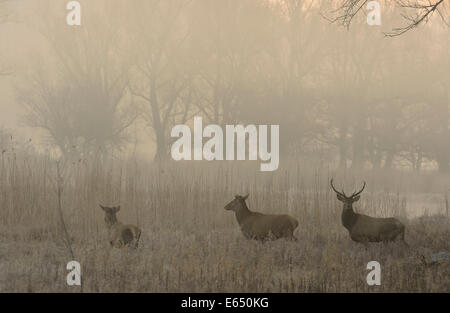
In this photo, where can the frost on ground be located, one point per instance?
(190, 243)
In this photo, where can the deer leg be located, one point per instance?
(291, 236)
(403, 239)
(138, 236)
(366, 245)
(108, 254)
(124, 254)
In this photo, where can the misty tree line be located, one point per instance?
(353, 97)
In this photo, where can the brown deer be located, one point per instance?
(260, 226)
(363, 228)
(120, 235)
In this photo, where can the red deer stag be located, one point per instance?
(363, 228)
(260, 226)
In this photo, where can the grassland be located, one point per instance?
(191, 244)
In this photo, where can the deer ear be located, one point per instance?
(355, 198)
(117, 209)
(245, 197)
(102, 207)
(340, 198)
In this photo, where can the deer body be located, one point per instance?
(363, 228)
(260, 226)
(120, 235)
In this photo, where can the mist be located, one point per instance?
(133, 71)
(91, 115)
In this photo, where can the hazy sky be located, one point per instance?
(21, 45)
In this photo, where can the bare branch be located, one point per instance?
(422, 12)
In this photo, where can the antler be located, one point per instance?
(357, 193)
(339, 193)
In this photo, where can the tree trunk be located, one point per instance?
(419, 160)
(161, 153)
(358, 150)
(443, 161)
(389, 160)
(343, 148)
(376, 160)
(158, 126)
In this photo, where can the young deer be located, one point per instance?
(120, 235)
(363, 228)
(261, 226)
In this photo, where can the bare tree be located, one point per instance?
(230, 51)
(350, 70)
(370, 100)
(287, 72)
(80, 99)
(421, 13)
(416, 13)
(162, 73)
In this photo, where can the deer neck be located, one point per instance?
(349, 217)
(242, 213)
(111, 223)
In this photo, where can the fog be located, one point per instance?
(345, 128)
(119, 82)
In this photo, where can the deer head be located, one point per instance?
(237, 203)
(110, 214)
(347, 200)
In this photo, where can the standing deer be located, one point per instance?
(363, 228)
(120, 235)
(260, 226)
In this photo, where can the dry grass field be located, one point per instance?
(190, 243)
